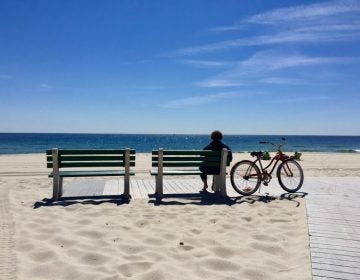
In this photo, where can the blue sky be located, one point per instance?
(244, 67)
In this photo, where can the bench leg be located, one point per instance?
(159, 186)
(127, 187)
(60, 186)
(219, 185)
(56, 188)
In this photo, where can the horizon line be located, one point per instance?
(194, 134)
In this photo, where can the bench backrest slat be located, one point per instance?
(187, 158)
(188, 152)
(90, 158)
(90, 151)
(187, 164)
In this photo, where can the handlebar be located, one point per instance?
(276, 145)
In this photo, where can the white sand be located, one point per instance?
(180, 239)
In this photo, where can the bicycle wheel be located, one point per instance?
(290, 176)
(245, 177)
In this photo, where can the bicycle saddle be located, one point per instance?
(257, 154)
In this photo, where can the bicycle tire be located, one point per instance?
(290, 175)
(241, 180)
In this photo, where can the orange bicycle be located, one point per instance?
(246, 176)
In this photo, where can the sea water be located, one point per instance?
(19, 143)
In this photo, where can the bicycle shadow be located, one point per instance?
(266, 198)
(209, 198)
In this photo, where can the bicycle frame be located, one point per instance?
(279, 157)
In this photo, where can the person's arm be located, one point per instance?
(230, 157)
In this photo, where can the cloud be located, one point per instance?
(305, 12)
(197, 100)
(266, 66)
(331, 21)
(275, 60)
(300, 99)
(274, 39)
(206, 63)
(302, 14)
(44, 87)
(282, 81)
(219, 83)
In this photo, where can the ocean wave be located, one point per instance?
(348, 151)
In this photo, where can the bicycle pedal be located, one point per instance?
(265, 184)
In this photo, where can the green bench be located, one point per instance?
(87, 163)
(187, 162)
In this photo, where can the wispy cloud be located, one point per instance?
(306, 12)
(312, 14)
(206, 63)
(294, 36)
(275, 60)
(266, 66)
(201, 99)
(331, 21)
(300, 99)
(282, 81)
(44, 87)
(212, 83)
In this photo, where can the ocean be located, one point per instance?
(23, 143)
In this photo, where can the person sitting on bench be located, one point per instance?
(214, 145)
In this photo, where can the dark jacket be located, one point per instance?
(218, 146)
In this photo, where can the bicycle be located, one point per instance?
(246, 176)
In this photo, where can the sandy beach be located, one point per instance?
(179, 239)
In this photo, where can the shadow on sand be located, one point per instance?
(201, 198)
(95, 200)
(208, 198)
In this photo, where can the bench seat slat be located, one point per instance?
(91, 173)
(90, 164)
(177, 172)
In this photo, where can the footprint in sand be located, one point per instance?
(141, 223)
(196, 231)
(220, 265)
(132, 269)
(255, 274)
(268, 248)
(43, 256)
(262, 237)
(223, 252)
(153, 241)
(248, 219)
(131, 249)
(279, 221)
(93, 234)
(94, 259)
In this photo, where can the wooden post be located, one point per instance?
(220, 180)
(127, 173)
(56, 178)
(159, 176)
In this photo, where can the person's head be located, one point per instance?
(216, 135)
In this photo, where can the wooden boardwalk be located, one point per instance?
(332, 204)
(334, 226)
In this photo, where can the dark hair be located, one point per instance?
(216, 135)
